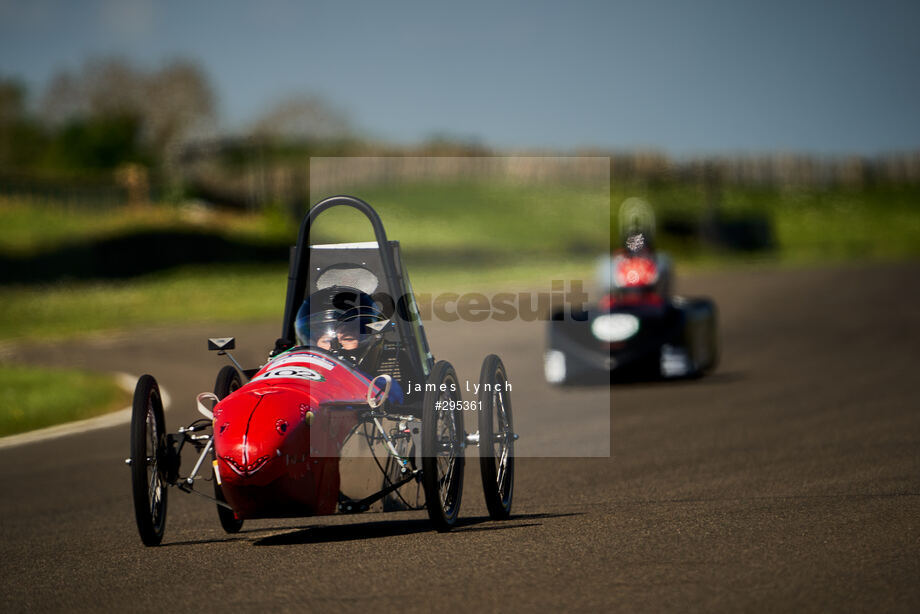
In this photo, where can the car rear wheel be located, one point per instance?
(443, 440)
(148, 461)
(496, 438)
(228, 381)
(701, 335)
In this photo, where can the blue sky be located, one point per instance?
(683, 77)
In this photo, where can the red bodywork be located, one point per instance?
(277, 446)
(635, 272)
(635, 278)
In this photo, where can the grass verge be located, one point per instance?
(224, 294)
(30, 228)
(455, 238)
(33, 398)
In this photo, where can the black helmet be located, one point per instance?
(340, 319)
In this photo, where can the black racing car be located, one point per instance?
(638, 329)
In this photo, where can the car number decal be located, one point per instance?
(303, 358)
(291, 372)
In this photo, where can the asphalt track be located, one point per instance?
(787, 480)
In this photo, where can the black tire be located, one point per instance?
(148, 461)
(703, 339)
(228, 380)
(715, 349)
(443, 441)
(496, 438)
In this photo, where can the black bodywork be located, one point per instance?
(674, 338)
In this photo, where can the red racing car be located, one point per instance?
(284, 439)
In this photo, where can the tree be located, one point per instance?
(178, 101)
(302, 118)
(110, 97)
(12, 100)
(21, 138)
(12, 106)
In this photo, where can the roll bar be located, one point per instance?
(300, 267)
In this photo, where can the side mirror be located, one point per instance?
(221, 344)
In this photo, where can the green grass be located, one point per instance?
(845, 225)
(455, 237)
(494, 218)
(191, 295)
(33, 398)
(27, 228)
(222, 294)
(811, 226)
(459, 237)
(447, 222)
(424, 217)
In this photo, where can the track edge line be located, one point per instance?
(115, 418)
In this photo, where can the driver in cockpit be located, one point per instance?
(347, 323)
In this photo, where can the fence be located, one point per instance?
(257, 180)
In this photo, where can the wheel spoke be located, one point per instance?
(154, 477)
(502, 465)
(151, 427)
(446, 483)
(447, 464)
(155, 503)
(501, 416)
(442, 466)
(154, 490)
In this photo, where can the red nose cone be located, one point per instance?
(252, 433)
(277, 446)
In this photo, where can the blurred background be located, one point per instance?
(155, 157)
